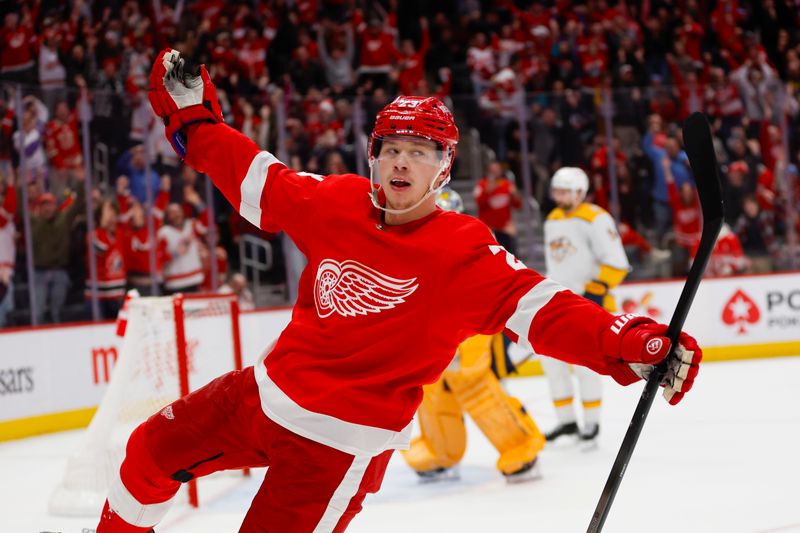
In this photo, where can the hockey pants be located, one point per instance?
(308, 487)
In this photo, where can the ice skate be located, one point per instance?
(529, 472)
(588, 437)
(439, 474)
(562, 430)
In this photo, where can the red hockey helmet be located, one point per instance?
(419, 116)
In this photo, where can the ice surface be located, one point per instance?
(727, 459)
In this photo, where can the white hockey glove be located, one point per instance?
(180, 98)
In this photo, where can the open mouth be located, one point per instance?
(398, 183)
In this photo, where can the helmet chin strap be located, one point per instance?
(373, 194)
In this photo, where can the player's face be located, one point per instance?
(565, 198)
(406, 167)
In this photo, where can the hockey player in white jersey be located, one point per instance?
(584, 252)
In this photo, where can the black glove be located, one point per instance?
(595, 291)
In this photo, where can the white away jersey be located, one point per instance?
(578, 243)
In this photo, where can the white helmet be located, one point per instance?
(570, 179)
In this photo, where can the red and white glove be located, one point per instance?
(180, 98)
(633, 345)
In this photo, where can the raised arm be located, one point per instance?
(322, 46)
(262, 189)
(350, 42)
(672, 189)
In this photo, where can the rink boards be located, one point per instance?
(52, 378)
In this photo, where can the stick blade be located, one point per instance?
(699, 147)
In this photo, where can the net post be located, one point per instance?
(237, 346)
(236, 335)
(180, 344)
(183, 369)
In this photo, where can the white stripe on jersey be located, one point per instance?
(252, 187)
(311, 175)
(121, 501)
(527, 308)
(348, 437)
(343, 494)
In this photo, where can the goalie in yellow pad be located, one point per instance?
(472, 384)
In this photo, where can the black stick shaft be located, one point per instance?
(700, 149)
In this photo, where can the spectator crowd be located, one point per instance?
(599, 84)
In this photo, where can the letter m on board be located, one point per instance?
(100, 357)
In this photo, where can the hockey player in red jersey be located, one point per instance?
(393, 285)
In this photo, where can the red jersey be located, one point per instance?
(110, 265)
(377, 51)
(63, 144)
(136, 242)
(16, 48)
(724, 101)
(494, 206)
(728, 257)
(692, 35)
(6, 132)
(600, 160)
(7, 229)
(252, 57)
(412, 67)
(221, 259)
(631, 237)
(481, 61)
(686, 220)
(137, 252)
(594, 65)
(382, 309)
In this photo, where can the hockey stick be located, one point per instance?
(700, 149)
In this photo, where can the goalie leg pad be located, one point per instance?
(501, 418)
(443, 438)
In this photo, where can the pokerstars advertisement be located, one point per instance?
(726, 311)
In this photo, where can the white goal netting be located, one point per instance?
(172, 345)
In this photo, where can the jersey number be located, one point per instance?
(511, 260)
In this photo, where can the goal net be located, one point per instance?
(172, 345)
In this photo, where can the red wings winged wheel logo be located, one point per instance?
(350, 288)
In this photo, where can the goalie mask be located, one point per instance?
(449, 200)
(414, 118)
